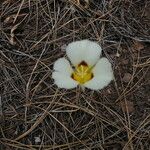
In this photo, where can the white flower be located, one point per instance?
(89, 70)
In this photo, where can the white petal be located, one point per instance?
(83, 50)
(64, 81)
(63, 66)
(103, 74)
(62, 74)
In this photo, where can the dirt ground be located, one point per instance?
(35, 114)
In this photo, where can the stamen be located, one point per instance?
(82, 73)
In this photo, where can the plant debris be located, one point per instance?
(127, 77)
(35, 114)
(127, 106)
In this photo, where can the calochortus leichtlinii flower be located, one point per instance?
(85, 68)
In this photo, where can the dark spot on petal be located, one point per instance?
(72, 76)
(92, 75)
(73, 67)
(83, 63)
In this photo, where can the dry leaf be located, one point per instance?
(127, 77)
(4, 2)
(125, 61)
(109, 91)
(117, 54)
(137, 46)
(12, 35)
(126, 106)
(11, 18)
(37, 139)
(84, 3)
(63, 47)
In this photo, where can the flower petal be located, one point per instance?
(62, 65)
(103, 74)
(64, 81)
(83, 50)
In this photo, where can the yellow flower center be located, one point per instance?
(82, 73)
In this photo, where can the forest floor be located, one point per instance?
(35, 114)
